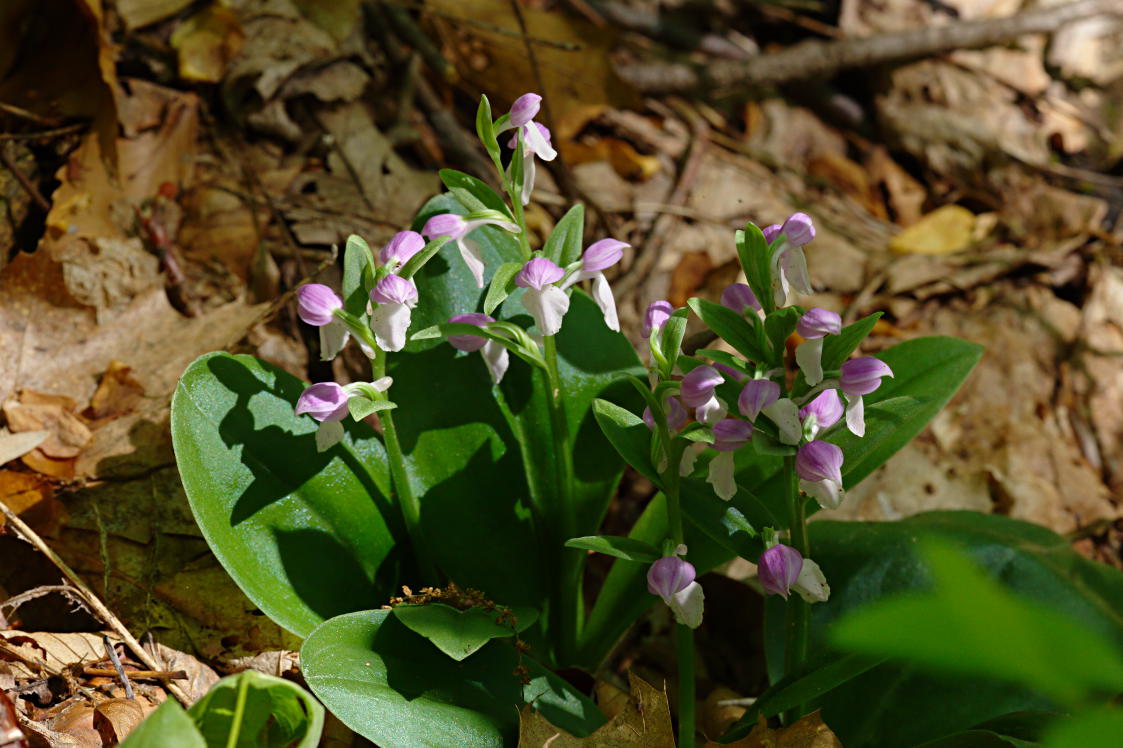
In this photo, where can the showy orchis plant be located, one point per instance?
(489, 473)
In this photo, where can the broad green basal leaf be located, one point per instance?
(460, 633)
(395, 688)
(302, 532)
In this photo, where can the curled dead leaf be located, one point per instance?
(807, 732)
(116, 718)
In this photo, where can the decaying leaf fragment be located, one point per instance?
(807, 732)
(644, 722)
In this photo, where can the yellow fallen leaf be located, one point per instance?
(206, 42)
(943, 231)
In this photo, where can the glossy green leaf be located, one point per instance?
(628, 549)
(731, 327)
(395, 688)
(670, 339)
(866, 562)
(361, 407)
(168, 725)
(427, 253)
(303, 533)
(968, 625)
(275, 713)
(501, 286)
(752, 250)
(458, 633)
(358, 275)
(563, 245)
(628, 434)
(472, 193)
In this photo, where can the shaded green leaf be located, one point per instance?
(168, 725)
(628, 549)
(275, 713)
(501, 286)
(731, 327)
(473, 193)
(458, 633)
(563, 245)
(358, 275)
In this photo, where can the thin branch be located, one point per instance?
(818, 59)
(96, 605)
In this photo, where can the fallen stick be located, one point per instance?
(92, 600)
(819, 59)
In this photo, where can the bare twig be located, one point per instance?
(92, 600)
(118, 669)
(101, 672)
(43, 134)
(21, 112)
(36, 592)
(27, 184)
(815, 59)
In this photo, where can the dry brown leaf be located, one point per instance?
(946, 230)
(116, 395)
(116, 718)
(200, 676)
(716, 718)
(68, 435)
(806, 732)
(56, 651)
(220, 225)
(849, 177)
(32, 497)
(14, 446)
(905, 196)
(574, 61)
(645, 723)
(207, 42)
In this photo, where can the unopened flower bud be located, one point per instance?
(539, 273)
(778, 569)
(316, 303)
(740, 298)
(757, 395)
(658, 312)
(818, 461)
(394, 289)
(826, 407)
(861, 376)
(524, 109)
(668, 576)
(401, 248)
(602, 255)
(325, 401)
(819, 322)
(698, 385)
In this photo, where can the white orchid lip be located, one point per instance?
(457, 228)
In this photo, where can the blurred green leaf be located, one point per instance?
(628, 549)
(275, 713)
(168, 725)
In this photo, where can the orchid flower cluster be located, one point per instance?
(720, 403)
(382, 326)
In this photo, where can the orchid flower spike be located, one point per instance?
(819, 467)
(698, 391)
(400, 249)
(672, 408)
(316, 305)
(395, 297)
(457, 228)
(814, 326)
(821, 413)
(327, 403)
(757, 395)
(494, 354)
(535, 136)
(789, 265)
(672, 579)
(545, 301)
(730, 434)
(858, 377)
(600, 256)
(740, 298)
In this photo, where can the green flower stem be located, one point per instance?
(684, 635)
(567, 610)
(410, 506)
(520, 219)
(684, 653)
(799, 610)
(239, 713)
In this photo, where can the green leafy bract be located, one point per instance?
(458, 633)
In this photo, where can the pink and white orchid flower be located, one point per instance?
(545, 301)
(457, 228)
